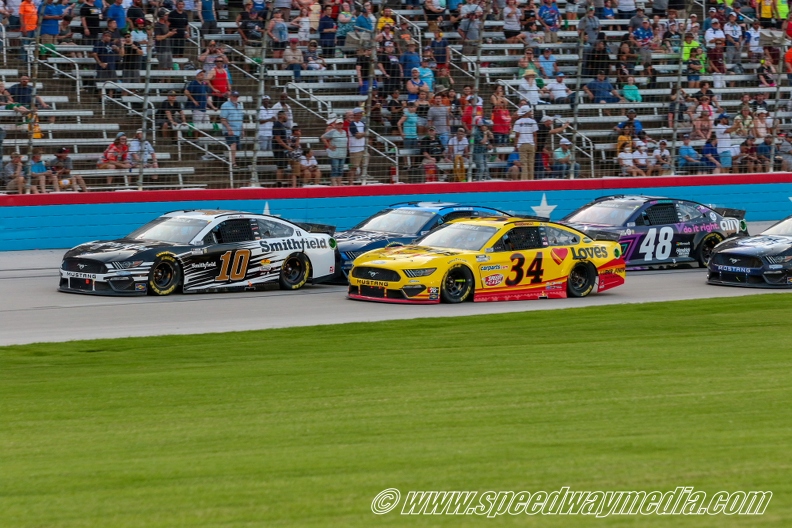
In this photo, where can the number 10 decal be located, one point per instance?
(238, 269)
(662, 249)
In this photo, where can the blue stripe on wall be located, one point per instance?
(62, 226)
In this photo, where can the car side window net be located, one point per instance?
(521, 238)
(231, 231)
(661, 214)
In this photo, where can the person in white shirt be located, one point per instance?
(625, 160)
(723, 133)
(284, 105)
(310, 168)
(266, 119)
(734, 40)
(757, 51)
(525, 129)
(714, 32)
(528, 89)
(660, 160)
(142, 152)
(559, 92)
(458, 149)
(640, 156)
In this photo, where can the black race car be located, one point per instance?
(761, 261)
(400, 223)
(659, 231)
(202, 251)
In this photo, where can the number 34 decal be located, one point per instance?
(657, 246)
(517, 273)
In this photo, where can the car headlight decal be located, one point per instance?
(127, 264)
(422, 272)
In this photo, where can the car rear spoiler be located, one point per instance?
(317, 228)
(528, 216)
(739, 214)
(596, 234)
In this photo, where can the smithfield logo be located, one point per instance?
(291, 244)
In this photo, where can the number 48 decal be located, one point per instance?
(659, 246)
(535, 270)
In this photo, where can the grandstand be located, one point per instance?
(86, 109)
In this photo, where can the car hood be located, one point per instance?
(413, 256)
(758, 246)
(357, 240)
(114, 250)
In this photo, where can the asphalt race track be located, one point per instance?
(32, 310)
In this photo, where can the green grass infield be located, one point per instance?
(305, 426)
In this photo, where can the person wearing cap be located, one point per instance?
(266, 120)
(734, 40)
(62, 165)
(688, 45)
(563, 165)
(672, 38)
(631, 120)
(458, 151)
(219, 81)
(313, 58)
(589, 27)
(131, 59)
(197, 93)
(163, 41)
(115, 156)
(16, 176)
(336, 142)
(483, 144)
(410, 59)
(39, 173)
(529, 90)
(207, 15)
(282, 149)
(558, 92)
(642, 37)
(723, 132)
(140, 36)
(170, 115)
(762, 125)
(525, 129)
(688, 159)
(278, 32)
(415, 85)
(232, 119)
(660, 160)
(713, 34)
(601, 91)
(390, 66)
(293, 58)
(106, 54)
(432, 150)
(210, 56)
(142, 152)
(357, 143)
(470, 33)
(709, 154)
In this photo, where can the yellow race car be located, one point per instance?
(490, 259)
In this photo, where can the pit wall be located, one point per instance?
(65, 220)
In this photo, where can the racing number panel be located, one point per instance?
(656, 237)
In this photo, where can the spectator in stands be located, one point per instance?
(723, 131)
(762, 126)
(410, 59)
(744, 122)
(470, 33)
(550, 18)
(385, 36)
(548, 63)
(689, 45)
(281, 149)
(142, 36)
(386, 19)
(115, 156)
(313, 58)
(688, 158)
(404, 36)
(439, 118)
(745, 160)
(284, 8)
(709, 154)
(427, 74)
(766, 72)
(303, 25)
(767, 11)
(207, 15)
(759, 102)
(635, 21)
(677, 108)
(458, 151)
(219, 82)
(90, 15)
(625, 137)
(51, 14)
(705, 91)
(597, 60)
(278, 33)
(784, 151)
(702, 125)
(660, 162)
(293, 59)
(366, 21)
(525, 129)
(640, 156)
(695, 67)
(514, 166)
(601, 91)
(363, 68)
(608, 13)
(163, 36)
(22, 93)
(558, 92)
(415, 85)
(197, 92)
(232, 117)
(345, 23)
(134, 12)
(142, 152)
(356, 144)
(642, 39)
(544, 131)
(7, 101)
(106, 54)
(714, 33)
(391, 68)
(672, 39)
(170, 116)
(630, 91)
(336, 142)
(626, 9)
(711, 108)
(625, 160)
(432, 150)
(483, 145)
(408, 126)
(178, 20)
(529, 90)
(327, 32)
(266, 120)
(116, 11)
(131, 59)
(395, 109)
(589, 26)
(512, 27)
(433, 14)
(734, 40)
(16, 176)
(210, 54)
(311, 174)
(563, 164)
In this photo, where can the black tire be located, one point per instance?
(581, 280)
(457, 285)
(704, 249)
(165, 275)
(295, 271)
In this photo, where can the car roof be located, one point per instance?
(630, 198)
(204, 213)
(501, 221)
(441, 207)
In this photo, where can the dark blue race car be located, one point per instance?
(659, 231)
(761, 261)
(400, 223)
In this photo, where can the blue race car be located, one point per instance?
(400, 223)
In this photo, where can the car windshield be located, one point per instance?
(407, 222)
(175, 230)
(782, 228)
(458, 236)
(604, 213)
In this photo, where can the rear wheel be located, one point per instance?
(457, 285)
(705, 247)
(581, 280)
(295, 272)
(165, 275)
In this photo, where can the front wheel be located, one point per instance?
(457, 285)
(295, 272)
(165, 275)
(581, 280)
(705, 247)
